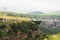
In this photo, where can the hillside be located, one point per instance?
(51, 28)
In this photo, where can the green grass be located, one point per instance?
(53, 37)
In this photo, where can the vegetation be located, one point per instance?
(22, 31)
(53, 37)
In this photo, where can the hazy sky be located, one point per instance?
(30, 5)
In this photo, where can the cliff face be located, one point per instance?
(50, 27)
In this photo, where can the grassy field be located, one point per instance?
(19, 18)
(15, 17)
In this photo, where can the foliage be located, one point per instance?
(11, 29)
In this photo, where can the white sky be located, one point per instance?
(30, 5)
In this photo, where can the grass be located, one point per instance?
(53, 37)
(18, 18)
(14, 18)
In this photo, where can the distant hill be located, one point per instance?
(55, 12)
(36, 12)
